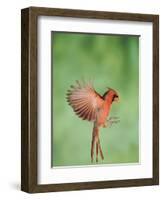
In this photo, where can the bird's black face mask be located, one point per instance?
(115, 98)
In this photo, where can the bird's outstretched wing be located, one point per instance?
(84, 100)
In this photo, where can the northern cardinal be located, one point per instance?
(91, 106)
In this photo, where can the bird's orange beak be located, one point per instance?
(116, 99)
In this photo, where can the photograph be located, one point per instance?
(95, 99)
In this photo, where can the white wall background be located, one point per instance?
(10, 98)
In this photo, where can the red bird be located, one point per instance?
(91, 106)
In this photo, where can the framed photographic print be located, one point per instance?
(90, 99)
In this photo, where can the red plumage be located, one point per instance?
(91, 106)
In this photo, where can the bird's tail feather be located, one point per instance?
(96, 140)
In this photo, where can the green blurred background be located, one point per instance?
(111, 61)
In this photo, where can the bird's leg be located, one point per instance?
(106, 124)
(101, 154)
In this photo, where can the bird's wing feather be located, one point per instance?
(84, 100)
